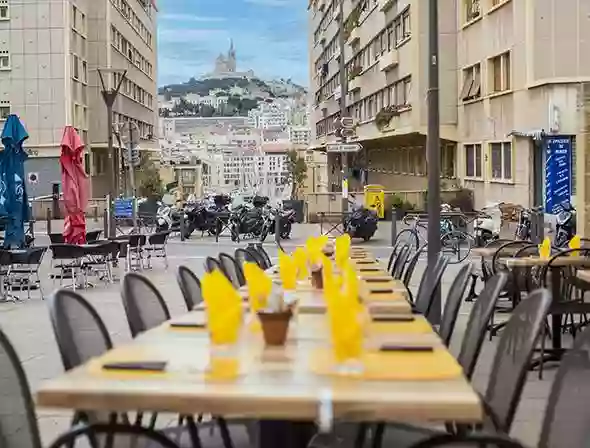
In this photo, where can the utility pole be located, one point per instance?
(343, 94)
(109, 96)
(433, 152)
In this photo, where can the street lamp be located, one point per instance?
(109, 95)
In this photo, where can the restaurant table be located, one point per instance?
(584, 275)
(557, 350)
(284, 387)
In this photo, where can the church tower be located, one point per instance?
(231, 57)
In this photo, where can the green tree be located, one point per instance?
(296, 173)
(147, 178)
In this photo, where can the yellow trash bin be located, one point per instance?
(375, 199)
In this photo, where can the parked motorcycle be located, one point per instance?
(287, 219)
(168, 218)
(487, 225)
(565, 227)
(361, 223)
(201, 216)
(246, 220)
(523, 226)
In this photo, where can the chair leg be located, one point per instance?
(361, 435)
(224, 431)
(542, 351)
(378, 436)
(193, 431)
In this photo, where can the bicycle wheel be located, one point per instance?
(409, 237)
(457, 244)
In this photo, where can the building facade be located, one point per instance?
(510, 74)
(49, 56)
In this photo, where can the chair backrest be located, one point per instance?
(258, 259)
(18, 422)
(35, 255)
(393, 255)
(79, 331)
(5, 257)
(411, 267)
(66, 251)
(513, 356)
(144, 305)
(92, 236)
(56, 238)
(453, 303)
(567, 414)
(158, 239)
(190, 286)
(242, 256)
(430, 283)
(232, 270)
(477, 323)
(397, 269)
(264, 254)
(137, 240)
(212, 264)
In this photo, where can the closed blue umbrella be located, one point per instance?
(14, 204)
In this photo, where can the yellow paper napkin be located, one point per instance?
(575, 243)
(224, 308)
(300, 257)
(342, 250)
(545, 248)
(287, 271)
(259, 286)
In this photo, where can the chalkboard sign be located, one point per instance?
(558, 172)
(123, 208)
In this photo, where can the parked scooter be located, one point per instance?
(168, 218)
(565, 227)
(523, 226)
(287, 219)
(361, 223)
(488, 224)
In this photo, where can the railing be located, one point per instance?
(95, 209)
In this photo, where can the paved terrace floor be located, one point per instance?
(28, 326)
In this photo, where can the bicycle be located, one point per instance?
(452, 241)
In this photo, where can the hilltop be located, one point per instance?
(255, 88)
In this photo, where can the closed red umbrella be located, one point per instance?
(74, 181)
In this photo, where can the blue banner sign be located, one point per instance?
(124, 208)
(558, 173)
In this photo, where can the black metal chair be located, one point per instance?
(57, 238)
(485, 271)
(212, 264)
(5, 265)
(23, 273)
(242, 256)
(477, 323)
(156, 248)
(135, 251)
(393, 255)
(453, 303)
(93, 236)
(257, 257)
(509, 370)
(232, 270)
(263, 253)
(429, 283)
(411, 267)
(99, 259)
(67, 259)
(397, 268)
(190, 286)
(144, 305)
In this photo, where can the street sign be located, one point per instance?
(347, 122)
(558, 172)
(343, 147)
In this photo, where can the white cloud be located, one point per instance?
(190, 35)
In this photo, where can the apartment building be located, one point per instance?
(511, 76)
(49, 56)
(300, 135)
(521, 65)
(386, 70)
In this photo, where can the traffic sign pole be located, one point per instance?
(344, 93)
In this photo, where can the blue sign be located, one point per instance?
(124, 208)
(558, 173)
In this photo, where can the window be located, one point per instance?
(75, 67)
(4, 60)
(4, 110)
(473, 160)
(74, 17)
(84, 72)
(501, 158)
(4, 15)
(500, 73)
(472, 9)
(471, 83)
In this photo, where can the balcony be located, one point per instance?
(354, 36)
(322, 5)
(337, 93)
(389, 60)
(323, 105)
(354, 84)
(385, 5)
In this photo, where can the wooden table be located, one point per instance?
(268, 383)
(584, 274)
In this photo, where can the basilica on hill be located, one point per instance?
(226, 66)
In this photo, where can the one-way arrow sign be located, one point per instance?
(343, 147)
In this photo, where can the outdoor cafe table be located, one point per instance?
(279, 386)
(557, 350)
